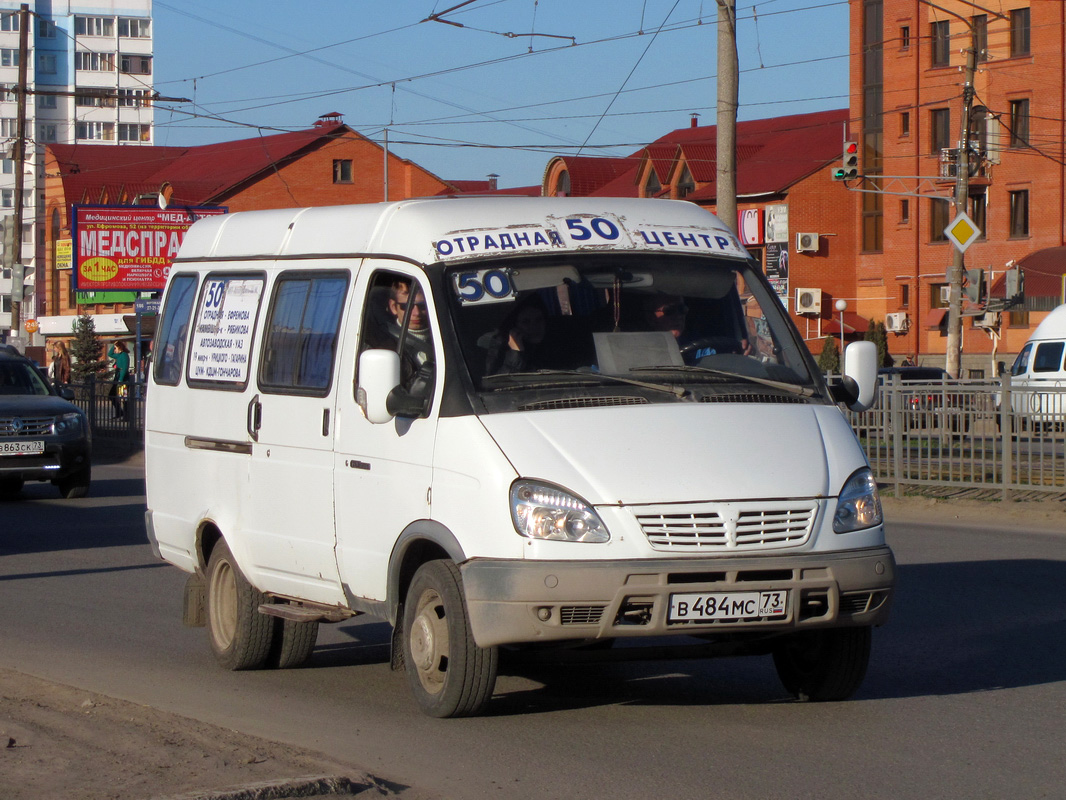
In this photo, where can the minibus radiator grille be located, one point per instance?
(583, 402)
(28, 426)
(728, 526)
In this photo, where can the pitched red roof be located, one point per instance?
(198, 174)
(772, 155)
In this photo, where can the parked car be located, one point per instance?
(930, 404)
(43, 436)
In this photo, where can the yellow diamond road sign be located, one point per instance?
(962, 231)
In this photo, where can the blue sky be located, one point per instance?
(602, 78)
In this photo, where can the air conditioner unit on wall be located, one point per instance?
(808, 301)
(990, 319)
(806, 242)
(945, 294)
(897, 322)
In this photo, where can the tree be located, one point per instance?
(829, 360)
(85, 350)
(877, 334)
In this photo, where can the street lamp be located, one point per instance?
(841, 306)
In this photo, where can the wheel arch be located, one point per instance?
(421, 541)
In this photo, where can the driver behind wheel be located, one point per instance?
(669, 312)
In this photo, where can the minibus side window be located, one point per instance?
(1048, 357)
(169, 349)
(1021, 363)
(303, 325)
(396, 311)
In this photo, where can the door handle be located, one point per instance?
(325, 422)
(255, 418)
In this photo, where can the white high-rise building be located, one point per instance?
(90, 73)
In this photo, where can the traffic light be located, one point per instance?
(975, 284)
(8, 240)
(849, 168)
(1015, 289)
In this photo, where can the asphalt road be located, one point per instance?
(964, 697)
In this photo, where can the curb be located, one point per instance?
(306, 787)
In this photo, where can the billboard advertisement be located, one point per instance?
(128, 248)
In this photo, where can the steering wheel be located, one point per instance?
(720, 344)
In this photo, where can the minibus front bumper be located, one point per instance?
(512, 602)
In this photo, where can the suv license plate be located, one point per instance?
(21, 448)
(716, 607)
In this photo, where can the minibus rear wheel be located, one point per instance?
(240, 636)
(449, 675)
(823, 665)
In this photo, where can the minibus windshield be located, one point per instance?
(666, 323)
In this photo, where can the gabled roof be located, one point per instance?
(772, 155)
(198, 174)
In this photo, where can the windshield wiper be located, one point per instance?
(590, 377)
(803, 391)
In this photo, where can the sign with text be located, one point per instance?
(128, 247)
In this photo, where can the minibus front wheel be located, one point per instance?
(240, 636)
(449, 675)
(823, 665)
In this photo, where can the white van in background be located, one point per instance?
(506, 422)
(1038, 375)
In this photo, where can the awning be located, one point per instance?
(853, 323)
(935, 318)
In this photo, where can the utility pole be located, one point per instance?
(18, 156)
(962, 195)
(728, 100)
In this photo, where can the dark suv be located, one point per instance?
(43, 436)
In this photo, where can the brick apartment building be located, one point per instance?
(792, 215)
(327, 164)
(907, 70)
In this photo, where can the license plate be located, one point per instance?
(719, 606)
(21, 448)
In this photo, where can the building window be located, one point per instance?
(940, 37)
(939, 129)
(905, 124)
(134, 98)
(92, 98)
(905, 37)
(94, 26)
(685, 184)
(342, 170)
(980, 36)
(937, 295)
(1019, 213)
(904, 211)
(135, 65)
(132, 132)
(1019, 123)
(7, 198)
(1019, 32)
(94, 62)
(562, 184)
(46, 63)
(9, 57)
(938, 220)
(46, 101)
(7, 166)
(652, 187)
(9, 22)
(978, 212)
(48, 133)
(104, 131)
(8, 128)
(134, 28)
(904, 295)
(46, 29)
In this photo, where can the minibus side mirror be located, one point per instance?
(379, 375)
(858, 386)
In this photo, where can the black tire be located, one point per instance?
(293, 643)
(76, 484)
(240, 636)
(10, 488)
(449, 675)
(824, 665)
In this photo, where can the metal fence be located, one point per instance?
(968, 434)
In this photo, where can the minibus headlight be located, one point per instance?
(859, 505)
(541, 511)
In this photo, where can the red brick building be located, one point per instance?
(793, 216)
(328, 164)
(907, 73)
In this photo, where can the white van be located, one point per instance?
(506, 422)
(1038, 375)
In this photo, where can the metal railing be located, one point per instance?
(115, 411)
(972, 434)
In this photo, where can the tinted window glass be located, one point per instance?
(1048, 357)
(301, 336)
(169, 348)
(18, 377)
(1021, 363)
